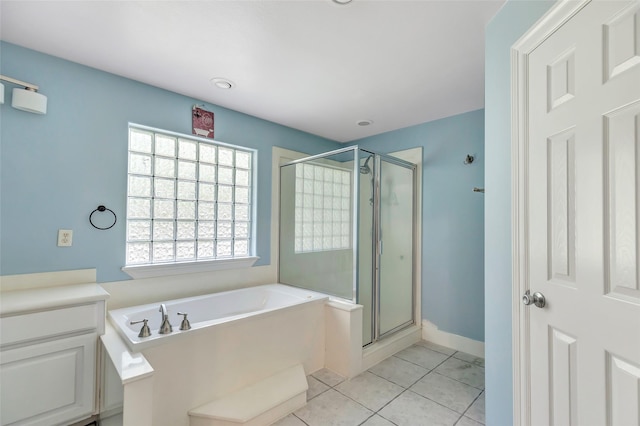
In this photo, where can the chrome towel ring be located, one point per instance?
(102, 209)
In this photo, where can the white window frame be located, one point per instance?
(174, 267)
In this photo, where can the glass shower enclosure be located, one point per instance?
(347, 228)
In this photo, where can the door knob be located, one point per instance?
(536, 298)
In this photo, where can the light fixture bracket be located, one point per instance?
(25, 96)
(24, 84)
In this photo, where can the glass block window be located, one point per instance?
(187, 199)
(322, 208)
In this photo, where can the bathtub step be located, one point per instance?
(256, 405)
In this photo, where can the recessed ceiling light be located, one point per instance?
(342, 1)
(365, 122)
(222, 83)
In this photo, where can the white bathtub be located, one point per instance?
(238, 339)
(212, 310)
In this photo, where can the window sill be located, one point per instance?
(179, 268)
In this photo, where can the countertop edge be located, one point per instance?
(32, 300)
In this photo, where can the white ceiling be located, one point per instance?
(313, 65)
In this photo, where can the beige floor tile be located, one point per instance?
(436, 347)
(328, 377)
(377, 421)
(399, 391)
(411, 409)
(422, 356)
(466, 421)
(471, 359)
(316, 387)
(399, 371)
(448, 392)
(370, 390)
(476, 411)
(461, 371)
(331, 408)
(290, 420)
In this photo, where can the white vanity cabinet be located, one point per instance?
(48, 344)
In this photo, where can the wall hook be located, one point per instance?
(468, 159)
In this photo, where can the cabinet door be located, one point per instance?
(48, 383)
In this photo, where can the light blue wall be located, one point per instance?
(56, 168)
(501, 33)
(452, 218)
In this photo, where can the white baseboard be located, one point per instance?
(431, 333)
(383, 349)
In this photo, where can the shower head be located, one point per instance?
(365, 169)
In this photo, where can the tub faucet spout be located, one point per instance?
(165, 327)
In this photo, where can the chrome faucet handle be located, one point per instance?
(185, 322)
(145, 331)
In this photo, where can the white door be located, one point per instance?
(582, 219)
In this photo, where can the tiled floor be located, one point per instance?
(425, 384)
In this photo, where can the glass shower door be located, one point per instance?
(395, 246)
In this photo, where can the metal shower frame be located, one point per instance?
(376, 246)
